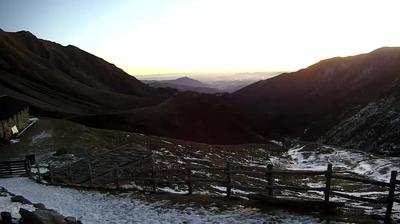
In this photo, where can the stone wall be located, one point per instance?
(20, 119)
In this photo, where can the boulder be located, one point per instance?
(39, 206)
(6, 218)
(20, 199)
(45, 216)
(49, 216)
(28, 217)
(72, 220)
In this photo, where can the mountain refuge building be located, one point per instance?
(14, 117)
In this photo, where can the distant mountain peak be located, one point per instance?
(187, 82)
(26, 33)
(185, 78)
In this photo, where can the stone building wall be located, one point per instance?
(20, 119)
(1, 130)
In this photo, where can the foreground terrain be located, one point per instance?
(56, 141)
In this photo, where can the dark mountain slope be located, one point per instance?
(191, 116)
(349, 101)
(310, 101)
(66, 79)
(68, 82)
(376, 127)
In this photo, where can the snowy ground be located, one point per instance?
(95, 207)
(361, 163)
(50, 135)
(13, 207)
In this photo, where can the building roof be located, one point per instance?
(10, 106)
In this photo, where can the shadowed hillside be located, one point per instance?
(310, 101)
(188, 115)
(66, 79)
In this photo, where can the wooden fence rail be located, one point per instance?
(187, 176)
(14, 168)
(361, 180)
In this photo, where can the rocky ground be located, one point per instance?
(17, 208)
(375, 128)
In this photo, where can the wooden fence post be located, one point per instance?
(390, 199)
(189, 178)
(51, 171)
(116, 176)
(69, 172)
(153, 179)
(90, 175)
(328, 176)
(9, 168)
(228, 180)
(270, 179)
(39, 176)
(27, 168)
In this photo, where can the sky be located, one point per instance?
(209, 36)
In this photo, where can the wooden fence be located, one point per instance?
(14, 168)
(156, 177)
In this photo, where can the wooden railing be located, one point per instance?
(156, 177)
(14, 168)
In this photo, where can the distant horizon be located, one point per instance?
(209, 36)
(212, 76)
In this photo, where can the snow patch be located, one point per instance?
(95, 207)
(43, 134)
(13, 207)
(14, 141)
(170, 190)
(131, 185)
(276, 142)
(170, 143)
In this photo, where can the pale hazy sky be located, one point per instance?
(214, 36)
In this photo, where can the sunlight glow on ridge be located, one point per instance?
(250, 36)
(220, 36)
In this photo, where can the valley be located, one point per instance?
(312, 104)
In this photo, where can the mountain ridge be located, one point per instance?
(42, 72)
(310, 101)
(315, 103)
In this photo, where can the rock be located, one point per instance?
(375, 127)
(39, 206)
(6, 192)
(45, 216)
(28, 217)
(71, 220)
(49, 216)
(6, 218)
(20, 199)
